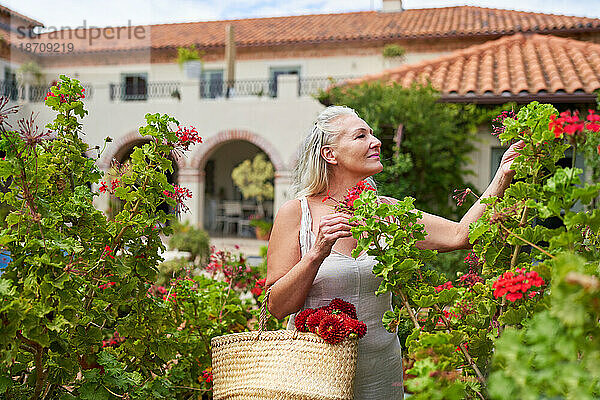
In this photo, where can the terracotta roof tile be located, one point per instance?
(529, 63)
(367, 25)
(14, 14)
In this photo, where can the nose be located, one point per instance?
(375, 142)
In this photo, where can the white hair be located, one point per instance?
(311, 174)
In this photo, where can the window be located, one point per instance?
(275, 72)
(134, 87)
(9, 88)
(496, 157)
(211, 84)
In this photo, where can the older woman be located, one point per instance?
(309, 262)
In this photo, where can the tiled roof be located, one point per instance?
(30, 21)
(455, 22)
(516, 65)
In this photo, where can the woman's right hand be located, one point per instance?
(331, 228)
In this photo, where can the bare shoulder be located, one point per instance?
(289, 213)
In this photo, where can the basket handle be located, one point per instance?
(264, 317)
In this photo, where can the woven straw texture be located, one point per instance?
(283, 365)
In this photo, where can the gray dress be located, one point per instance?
(379, 368)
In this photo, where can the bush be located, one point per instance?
(186, 237)
(523, 322)
(80, 315)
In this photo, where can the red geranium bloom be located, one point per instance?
(556, 125)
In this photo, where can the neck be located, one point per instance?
(339, 185)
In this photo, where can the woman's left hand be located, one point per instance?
(509, 156)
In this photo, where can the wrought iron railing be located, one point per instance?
(264, 87)
(152, 90)
(33, 93)
(311, 86)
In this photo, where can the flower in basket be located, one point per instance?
(339, 305)
(333, 322)
(300, 319)
(314, 319)
(332, 329)
(355, 327)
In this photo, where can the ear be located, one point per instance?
(328, 155)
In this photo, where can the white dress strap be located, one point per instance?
(305, 227)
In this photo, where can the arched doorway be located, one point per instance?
(226, 211)
(215, 147)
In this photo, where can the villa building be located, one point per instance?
(472, 54)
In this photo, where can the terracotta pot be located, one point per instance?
(262, 235)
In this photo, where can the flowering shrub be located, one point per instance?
(76, 278)
(524, 281)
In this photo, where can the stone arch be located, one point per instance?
(122, 144)
(201, 156)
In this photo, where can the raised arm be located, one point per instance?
(290, 275)
(445, 235)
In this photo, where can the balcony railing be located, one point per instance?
(264, 87)
(152, 90)
(171, 89)
(32, 93)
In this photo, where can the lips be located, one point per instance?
(374, 155)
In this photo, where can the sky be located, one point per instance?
(75, 13)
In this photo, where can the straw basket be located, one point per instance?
(282, 365)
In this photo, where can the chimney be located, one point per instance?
(392, 6)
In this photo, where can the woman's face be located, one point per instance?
(356, 150)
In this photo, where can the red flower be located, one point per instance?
(102, 187)
(114, 184)
(207, 375)
(332, 329)
(106, 285)
(187, 137)
(355, 326)
(574, 128)
(342, 306)
(514, 286)
(447, 285)
(592, 116)
(301, 317)
(347, 204)
(314, 319)
(556, 125)
(592, 126)
(497, 123)
(107, 252)
(180, 194)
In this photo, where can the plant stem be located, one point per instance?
(513, 260)
(462, 348)
(40, 374)
(501, 327)
(409, 309)
(526, 241)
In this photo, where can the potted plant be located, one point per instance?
(262, 227)
(253, 178)
(393, 55)
(190, 60)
